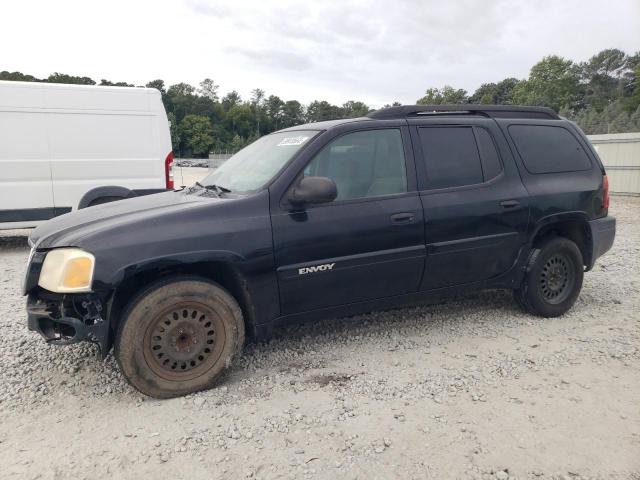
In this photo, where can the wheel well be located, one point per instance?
(103, 192)
(220, 272)
(105, 199)
(575, 230)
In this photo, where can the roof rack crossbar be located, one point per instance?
(511, 111)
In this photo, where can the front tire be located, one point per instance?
(178, 336)
(553, 283)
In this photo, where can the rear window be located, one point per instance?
(548, 149)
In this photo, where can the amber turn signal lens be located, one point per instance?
(78, 273)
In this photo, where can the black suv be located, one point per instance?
(321, 220)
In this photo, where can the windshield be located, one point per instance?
(253, 166)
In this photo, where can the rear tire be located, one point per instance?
(553, 283)
(178, 336)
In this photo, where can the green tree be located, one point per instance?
(257, 97)
(293, 114)
(553, 82)
(632, 103)
(158, 85)
(107, 83)
(64, 78)
(486, 94)
(196, 134)
(174, 131)
(354, 109)
(17, 77)
(274, 108)
(319, 111)
(182, 89)
(444, 95)
(180, 99)
(240, 119)
(256, 103)
(209, 89)
(230, 100)
(603, 76)
(500, 93)
(237, 143)
(609, 63)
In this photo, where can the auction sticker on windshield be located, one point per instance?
(289, 141)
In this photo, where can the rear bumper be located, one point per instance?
(64, 320)
(603, 232)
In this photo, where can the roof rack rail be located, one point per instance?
(493, 111)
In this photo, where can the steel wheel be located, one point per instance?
(178, 336)
(184, 341)
(557, 278)
(552, 283)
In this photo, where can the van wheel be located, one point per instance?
(178, 336)
(553, 283)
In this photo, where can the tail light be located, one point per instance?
(168, 174)
(605, 193)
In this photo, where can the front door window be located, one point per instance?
(363, 164)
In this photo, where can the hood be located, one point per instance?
(68, 230)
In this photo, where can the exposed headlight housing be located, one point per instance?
(67, 270)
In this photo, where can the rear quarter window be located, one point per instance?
(549, 149)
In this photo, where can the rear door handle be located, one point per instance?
(406, 217)
(510, 203)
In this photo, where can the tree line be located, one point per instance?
(602, 95)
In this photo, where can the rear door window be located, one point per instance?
(491, 164)
(451, 156)
(549, 149)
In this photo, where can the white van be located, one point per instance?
(64, 147)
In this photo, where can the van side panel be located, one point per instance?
(92, 150)
(25, 172)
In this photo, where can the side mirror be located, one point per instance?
(313, 190)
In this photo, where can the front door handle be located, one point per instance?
(510, 203)
(399, 218)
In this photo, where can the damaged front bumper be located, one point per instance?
(66, 319)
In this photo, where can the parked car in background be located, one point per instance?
(193, 162)
(65, 147)
(406, 205)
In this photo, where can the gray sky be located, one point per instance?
(376, 51)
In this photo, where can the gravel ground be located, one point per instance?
(468, 389)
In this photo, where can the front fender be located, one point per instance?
(164, 262)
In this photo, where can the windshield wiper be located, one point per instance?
(216, 188)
